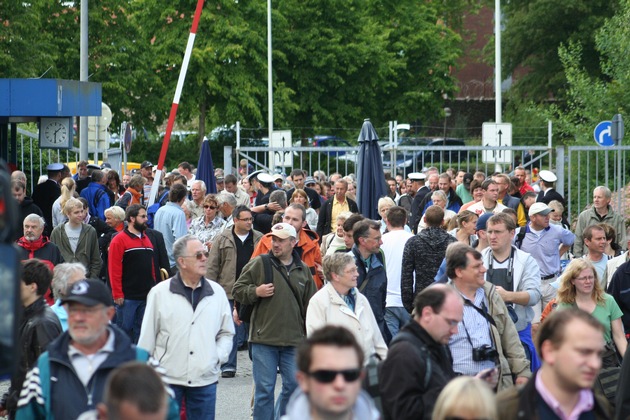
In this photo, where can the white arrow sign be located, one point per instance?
(497, 135)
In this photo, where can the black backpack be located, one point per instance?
(374, 366)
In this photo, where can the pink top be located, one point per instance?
(584, 404)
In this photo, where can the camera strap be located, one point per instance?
(483, 312)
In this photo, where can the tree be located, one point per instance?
(535, 29)
(592, 99)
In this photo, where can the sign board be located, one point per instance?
(497, 135)
(603, 134)
(281, 139)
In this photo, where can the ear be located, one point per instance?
(302, 380)
(548, 354)
(111, 311)
(101, 410)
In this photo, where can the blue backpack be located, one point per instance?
(153, 208)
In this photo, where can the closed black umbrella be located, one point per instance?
(371, 184)
(205, 168)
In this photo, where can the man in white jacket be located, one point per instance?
(188, 327)
(516, 275)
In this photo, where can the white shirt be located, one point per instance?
(393, 247)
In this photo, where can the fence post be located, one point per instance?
(227, 160)
(560, 170)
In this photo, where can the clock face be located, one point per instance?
(56, 132)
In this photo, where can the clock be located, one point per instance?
(55, 133)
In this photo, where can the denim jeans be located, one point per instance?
(266, 361)
(129, 317)
(200, 400)
(396, 318)
(230, 365)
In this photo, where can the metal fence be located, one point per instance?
(579, 168)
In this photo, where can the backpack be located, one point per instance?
(153, 208)
(518, 242)
(245, 311)
(374, 367)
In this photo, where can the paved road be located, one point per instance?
(233, 395)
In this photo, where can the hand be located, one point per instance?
(503, 293)
(274, 207)
(490, 376)
(521, 380)
(235, 317)
(208, 246)
(119, 301)
(265, 290)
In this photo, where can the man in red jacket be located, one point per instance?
(307, 245)
(131, 271)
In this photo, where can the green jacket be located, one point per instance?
(278, 320)
(87, 252)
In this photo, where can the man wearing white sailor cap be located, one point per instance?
(547, 193)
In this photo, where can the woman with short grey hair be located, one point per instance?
(340, 303)
(64, 276)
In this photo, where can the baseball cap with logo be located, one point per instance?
(89, 292)
(283, 231)
(146, 164)
(539, 208)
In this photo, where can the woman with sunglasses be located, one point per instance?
(206, 227)
(580, 287)
(340, 303)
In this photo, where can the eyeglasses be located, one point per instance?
(199, 255)
(450, 322)
(88, 310)
(210, 207)
(247, 219)
(327, 376)
(584, 278)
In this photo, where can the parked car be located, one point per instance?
(330, 141)
(414, 160)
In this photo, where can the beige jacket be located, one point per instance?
(328, 308)
(508, 344)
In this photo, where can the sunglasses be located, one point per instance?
(327, 376)
(199, 255)
(210, 207)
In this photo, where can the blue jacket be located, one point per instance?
(53, 390)
(375, 290)
(97, 198)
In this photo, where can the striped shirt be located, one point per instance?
(478, 329)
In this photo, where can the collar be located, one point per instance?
(584, 404)
(33, 246)
(178, 287)
(335, 201)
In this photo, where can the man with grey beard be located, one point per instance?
(69, 379)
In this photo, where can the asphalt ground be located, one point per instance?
(234, 395)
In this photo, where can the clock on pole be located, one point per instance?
(55, 133)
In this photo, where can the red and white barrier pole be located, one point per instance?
(178, 92)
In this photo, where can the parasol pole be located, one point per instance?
(178, 92)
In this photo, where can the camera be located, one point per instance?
(484, 352)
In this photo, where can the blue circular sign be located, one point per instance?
(602, 134)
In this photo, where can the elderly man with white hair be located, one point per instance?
(227, 203)
(35, 245)
(198, 193)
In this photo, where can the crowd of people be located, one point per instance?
(471, 297)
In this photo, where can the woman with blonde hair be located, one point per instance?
(466, 227)
(68, 188)
(580, 287)
(334, 240)
(439, 199)
(466, 397)
(300, 197)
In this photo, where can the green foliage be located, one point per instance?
(178, 151)
(534, 31)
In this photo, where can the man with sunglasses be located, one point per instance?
(329, 375)
(132, 270)
(188, 327)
